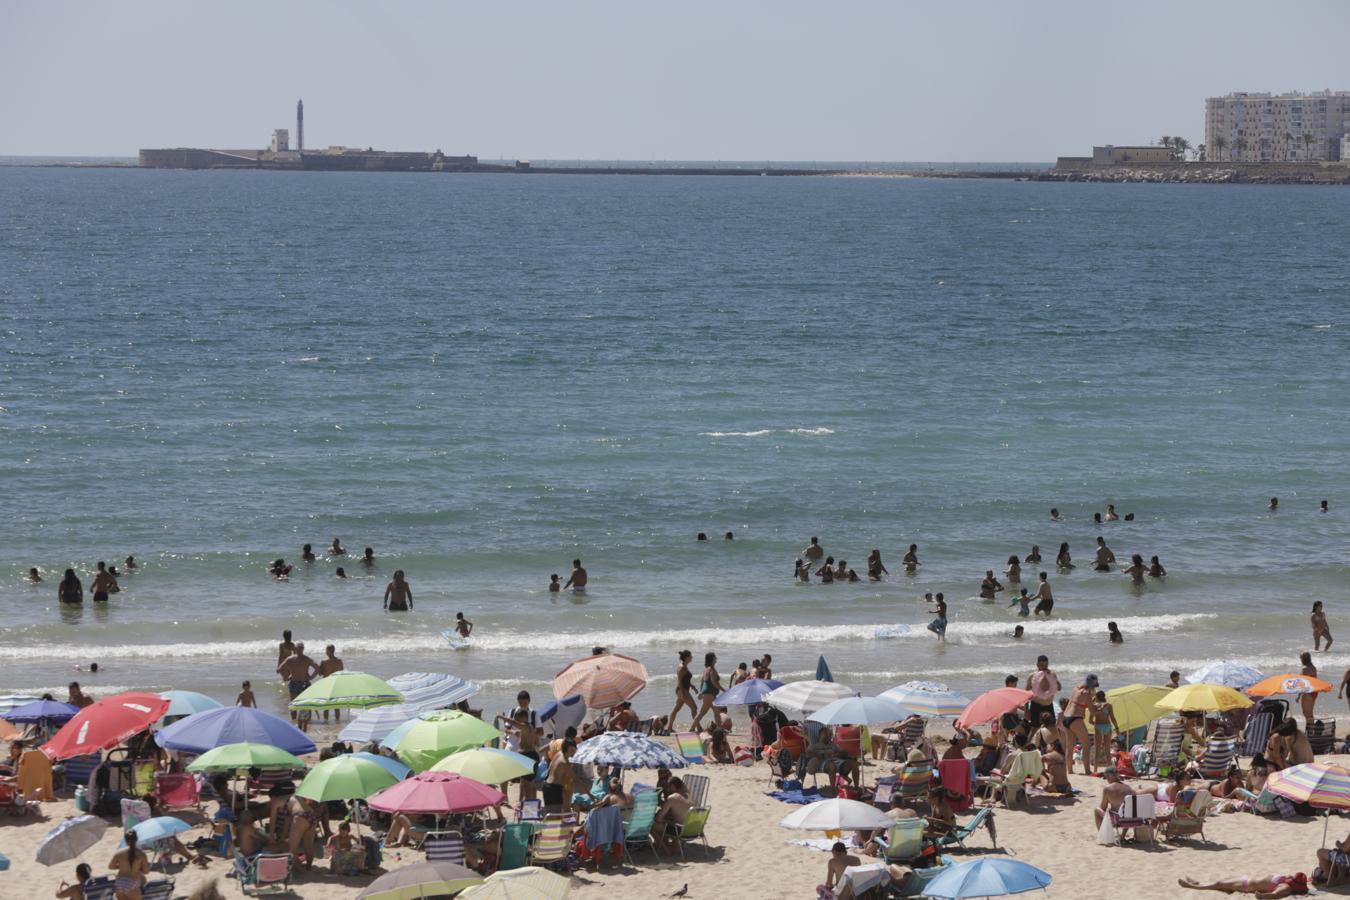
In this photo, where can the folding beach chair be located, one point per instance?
(531, 810)
(78, 770)
(515, 846)
(551, 844)
(266, 870)
(177, 791)
(444, 846)
(12, 802)
(914, 781)
(1189, 819)
(1166, 750)
(690, 746)
(692, 829)
(881, 797)
(161, 889)
(1257, 733)
(904, 840)
(1321, 735)
(100, 888)
(982, 819)
(638, 828)
(1218, 756)
(1136, 812)
(1023, 766)
(697, 786)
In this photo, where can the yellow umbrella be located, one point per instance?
(1204, 698)
(1136, 705)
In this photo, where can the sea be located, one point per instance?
(483, 377)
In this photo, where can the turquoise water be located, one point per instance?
(482, 377)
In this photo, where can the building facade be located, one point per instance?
(1111, 155)
(1244, 127)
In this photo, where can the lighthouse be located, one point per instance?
(300, 125)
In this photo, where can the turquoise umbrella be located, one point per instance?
(988, 877)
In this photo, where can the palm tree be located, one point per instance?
(1219, 143)
(1200, 152)
(1307, 145)
(1180, 145)
(1241, 147)
(1165, 141)
(1288, 139)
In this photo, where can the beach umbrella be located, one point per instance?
(151, 831)
(424, 741)
(433, 690)
(345, 777)
(185, 703)
(747, 693)
(837, 815)
(1227, 672)
(987, 877)
(801, 698)
(823, 669)
(4, 862)
(991, 704)
(428, 879)
(529, 883)
(568, 712)
(42, 711)
(376, 724)
(69, 839)
(1135, 705)
(1289, 684)
(928, 699)
(244, 755)
(392, 766)
(1203, 698)
(1319, 785)
(347, 690)
(203, 731)
(438, 793)
(602, 680)
(858, 711)
(627, 750)
(106, 723)
(486, 764)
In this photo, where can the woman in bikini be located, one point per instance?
(1074, 727)
(132, 867)
(708, 688)
(1104, 728)
(684, 690)
(303, 828)
(1320, 628)
(1272, 886)
(1307, 701)
(1014, 570)
(1064, 561)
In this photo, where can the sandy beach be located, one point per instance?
(751, 857)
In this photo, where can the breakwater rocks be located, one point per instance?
(1205, 173)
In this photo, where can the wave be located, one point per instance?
(622, 641)
(763, 431)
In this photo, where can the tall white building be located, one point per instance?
(1245, 127)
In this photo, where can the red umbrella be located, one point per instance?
(437, 793)
(106, 723)
(990, 705)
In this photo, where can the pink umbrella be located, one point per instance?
(990, 705)
(437, 793)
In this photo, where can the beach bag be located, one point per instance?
(1107, 833)
(1125, 765)
(744, 757)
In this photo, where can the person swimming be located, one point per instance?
(368, 558)
(1019, 632)
(279, 570)
(1323, 507)
(1274, 504)
(1054, 515)
(701, 536)
(1155, 568)
(1064, 561)
(1034, 555)
(911, 559)
(336, 549)
(1113, 633)
(34, 576)
(341, 573)
(307, 553)
(1096, 518)
(1111, 513)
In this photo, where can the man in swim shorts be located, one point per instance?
(1044, 685)
(297, 670)
(103, 583)
(578, 580)
(1045, 600)
(1105, 558)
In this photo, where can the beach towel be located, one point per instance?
(810, 795)
(35, 775)
(954, 775)
(604, 827)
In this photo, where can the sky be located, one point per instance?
(858, 81)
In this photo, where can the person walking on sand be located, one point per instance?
(1319, 626)
(684, 689)
(327, 666)
(578, 579)
(398, 594)
(1074, 727)
(708, 688)
(1309, 700)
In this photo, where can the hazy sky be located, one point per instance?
(934, 80)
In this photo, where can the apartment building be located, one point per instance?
(1243, 127)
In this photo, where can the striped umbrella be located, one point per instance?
(376, 724)
(529, 883)
(433, 690)
(801, 698)
(928, 699)
(1318, 784)
(627, 750)
(602, 680)
(1227, 672)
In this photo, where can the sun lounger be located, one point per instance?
(1166, 750)
(551, 843)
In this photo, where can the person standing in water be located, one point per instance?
(1014, 570)
(307, 553)
(336, 548)
(554, 585)
(34, 576)
(989, 586)
(1274, 504)
(1113, 633)
(1024, 600)
(1064, 561)
(70, 590)
(939, 625)
(103, 583)
(463, 627)
(1105, 558)
(1307, 701)
(398, 595)
(1111, 513)
(1033, 556)
(577, 582)
(1045, 600)
(1323, 507)
(1319, 626)
(368, 558)
(875, 567)
(813, 550)
(1155, 568)
(1136, 570)
(684, 689)
(911, 559)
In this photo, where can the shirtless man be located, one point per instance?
(814, 550)
(839, 861)
(336, 549)
(1319, 626)
(1045, 599)
(368, 558)
(911, 559)
(1114, 792)
(327, 666)
(103, 584)
(77, 697)
(132, 867)
(1044, 685)
(34, 576)
(397, 594)
(286, 648)
(1105, 558)
(989, 586)
(297, 670)
(578, 579)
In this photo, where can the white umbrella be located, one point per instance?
(69, 839)
(433, 690)
(859, 711)
(928, 699)
(1227, 672)
(375, 724)
(801, 698)
(837, 815)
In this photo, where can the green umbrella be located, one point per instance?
(486, 764)
(233, 757)
(345, 778)
(431, 739)
(347, 690)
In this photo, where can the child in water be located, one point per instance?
(1023, 602)
(554, 586)
(245, 697)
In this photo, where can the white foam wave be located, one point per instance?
(619, 639)
(763, 431)
(810, 431)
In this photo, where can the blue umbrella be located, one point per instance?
(1227, 672)
(987, 877)
(4, 862)
(204, 731)
(392, 766)
(152, 831)
(185, 703)
(823, 670)
(375, 724)
(748, 692)
(42, 711)
(567, 711)
(627, 750)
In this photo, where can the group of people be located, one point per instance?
(103, 583)
(298, 671)
(280, 570)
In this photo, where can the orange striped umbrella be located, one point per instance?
(1290, 684)
(604, 680)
